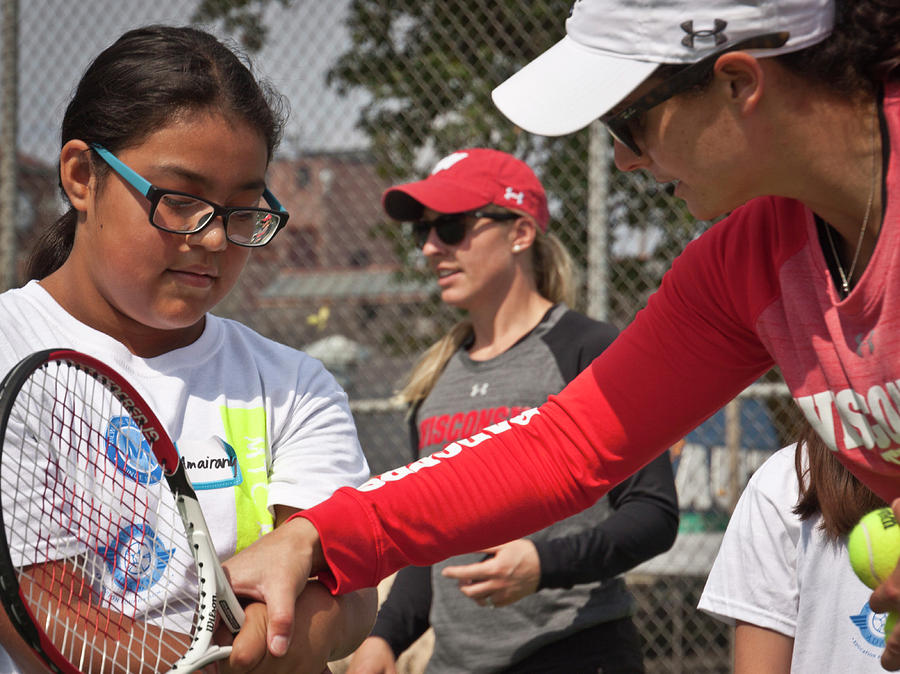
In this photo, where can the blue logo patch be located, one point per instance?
(136, 557)
(870, 625)
(127, 447)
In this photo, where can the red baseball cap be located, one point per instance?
(470, 179)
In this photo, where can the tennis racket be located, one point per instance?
(106, 562)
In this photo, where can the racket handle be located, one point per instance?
(211, 655)
(229, 607)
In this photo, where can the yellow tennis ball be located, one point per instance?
(874, 546)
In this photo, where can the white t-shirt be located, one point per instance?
(777, 572)
(258, 423)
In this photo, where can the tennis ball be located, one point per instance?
(874, 546)
(889, 623)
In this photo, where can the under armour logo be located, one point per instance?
(511, 195)
(715, 33)
(864, 340)
(449, 161)
(479, 390)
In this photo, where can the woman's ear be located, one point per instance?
(522, 234)
(743, 76)
(75, 173)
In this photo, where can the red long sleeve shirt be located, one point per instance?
(752, 291)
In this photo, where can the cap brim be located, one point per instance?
(407, 202)
(567, 87)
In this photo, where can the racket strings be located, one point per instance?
(93, 531)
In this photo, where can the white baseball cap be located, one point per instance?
(611, 46)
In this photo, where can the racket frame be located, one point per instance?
(216, 596)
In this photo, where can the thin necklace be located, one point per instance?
(845, 278)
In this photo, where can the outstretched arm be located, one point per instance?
(325, 627)
(656, 382)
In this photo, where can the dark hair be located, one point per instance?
(140, 83)
(827, 486)
(862, 52)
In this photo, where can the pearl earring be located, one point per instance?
(516, 248)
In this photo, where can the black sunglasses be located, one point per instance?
(623, 124)
(451, 227)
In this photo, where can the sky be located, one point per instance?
(58, 38)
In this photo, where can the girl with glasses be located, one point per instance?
(783, 115)
(558, 595)
(164, 150)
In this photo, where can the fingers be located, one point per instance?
(467, 572)
(510, 572)
(484, 568)
(274, 570)
(890, 658)
(483, 582)
(886, 598)
(309, 647)
(249, 646)
(478, 590)
(490, 593)
(281, 626)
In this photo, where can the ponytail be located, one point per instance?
(52, 248)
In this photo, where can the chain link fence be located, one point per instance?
(378, 91)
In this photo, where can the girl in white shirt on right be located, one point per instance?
(783, 575)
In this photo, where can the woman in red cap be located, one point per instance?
(480, 220)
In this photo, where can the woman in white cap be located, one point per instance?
(480, 219)
(783, 113)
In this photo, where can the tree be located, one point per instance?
(241, 17)
(428, 68)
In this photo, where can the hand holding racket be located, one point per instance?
(106, 562)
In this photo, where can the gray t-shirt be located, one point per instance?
(580, 557)
(469, 396)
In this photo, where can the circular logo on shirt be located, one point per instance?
(136, 557)
(870, 625)
(129, 450)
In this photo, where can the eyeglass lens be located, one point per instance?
(450, 229)
(621, 131)
(182, 213)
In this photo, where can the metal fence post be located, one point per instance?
(733, 445)
(8, 147)
(597, 281)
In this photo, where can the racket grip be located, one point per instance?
(228, 605)
(212, 654)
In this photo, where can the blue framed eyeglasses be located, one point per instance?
(182, 213)
(624, 125)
